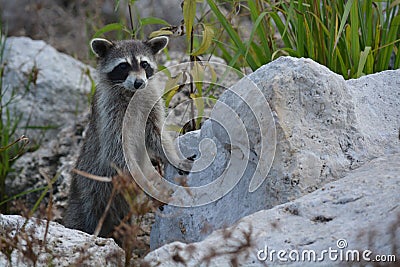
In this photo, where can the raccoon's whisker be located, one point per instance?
(113, 86)
(116, 83)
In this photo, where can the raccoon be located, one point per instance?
(124, 67)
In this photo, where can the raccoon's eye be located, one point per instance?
(123, 66)
(144, 64)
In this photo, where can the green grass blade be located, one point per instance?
(225, 53)
(234, 59)
(311, 49)
(261, 30)
(397, 58)
(343, 20)
(189, 13)
(289, 51)
(354, 38)
(253, 31)
(281, 28)
(108, 28)
(45, 190)
(23, 194)
(330, 53)
(232, 34)
(391, 38)
(342, 65)
(301, 31)
(322, 31)
(369, 23)
(259, 54)
(152, 21)
(363, 60)
(208, 35)
(289, 19)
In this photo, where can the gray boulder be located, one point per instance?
(50, 88)
(355, 218)
(325, 127)
(31, 243)
(55, 158)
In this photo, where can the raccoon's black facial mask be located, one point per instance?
(120, 73)
(122, 70)
(147, 68)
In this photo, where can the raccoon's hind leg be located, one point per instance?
(87, 205)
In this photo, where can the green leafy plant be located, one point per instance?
(351, 37)
(10, 149)
(199, 38)
(13, 144)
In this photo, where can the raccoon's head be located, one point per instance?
(128, 63)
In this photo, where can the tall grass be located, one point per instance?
(351, 37)
(12, 143)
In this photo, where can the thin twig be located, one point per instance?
(192, 59)
(92, 176)
(50, 206)
(103, 217)
(22, 138)
(130, 17)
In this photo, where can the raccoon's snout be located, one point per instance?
(134, 82)
(139, 84)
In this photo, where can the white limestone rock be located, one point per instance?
(376, 99)
(325, 127)
(60, 246)
(51, 88)
(360, 210)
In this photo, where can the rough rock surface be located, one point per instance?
(376, 100)
(360, 209)
(55, 158)
(29, 245)
(326, 127)
(51, 87)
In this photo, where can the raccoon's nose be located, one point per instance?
(139, 84)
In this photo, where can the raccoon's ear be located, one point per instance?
(100, 46)
(157, 43)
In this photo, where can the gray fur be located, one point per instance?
(103, 144)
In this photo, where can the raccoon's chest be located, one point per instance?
(109, 128)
